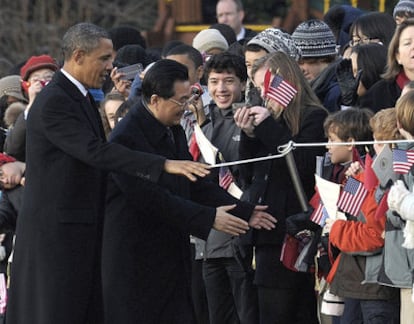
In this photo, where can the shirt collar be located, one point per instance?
(79, 85)
(242, 34)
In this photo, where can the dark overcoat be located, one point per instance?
(56, 274)
(146, 250)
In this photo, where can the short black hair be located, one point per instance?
(192, 53)
(226, 62)
(160, 79)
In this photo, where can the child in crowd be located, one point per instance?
(360, 240)
(343, 126)
(397, 268)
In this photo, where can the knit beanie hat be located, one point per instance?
(208, 39)
(315, 39)
(11, 86)
(275, 40)
(35, 63)
(404, 6)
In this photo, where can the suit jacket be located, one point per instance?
(146, 250)
(56, 267)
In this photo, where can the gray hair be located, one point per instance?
(84, 36)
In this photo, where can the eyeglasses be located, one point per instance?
(366, 40)
(183, 105)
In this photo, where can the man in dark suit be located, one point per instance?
(146, 252)
(56, 272)
(231, 12)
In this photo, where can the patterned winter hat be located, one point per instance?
(315, 39)
(404, 6)
(275, 40)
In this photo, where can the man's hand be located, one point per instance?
(228, 223)
(186, 168)
(260, 219)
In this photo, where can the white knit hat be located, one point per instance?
(207, 39)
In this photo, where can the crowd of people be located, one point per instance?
(146, 186)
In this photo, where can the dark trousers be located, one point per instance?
(232, 297)
(198, 290)
(359, 311)
(288, 306)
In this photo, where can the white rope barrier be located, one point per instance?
(288, 147)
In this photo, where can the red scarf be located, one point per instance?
(402, 79)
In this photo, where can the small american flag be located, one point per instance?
(278, 89)
(319, 215)
(352, 197)
(225, 177)
(402, 160)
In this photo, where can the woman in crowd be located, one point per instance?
(399, 71)
(285, 296)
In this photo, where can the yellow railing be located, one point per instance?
(354, 3)
(197, 28)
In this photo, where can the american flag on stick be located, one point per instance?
(278, 89)
(225, 177)
(319, 215)
(352, 197)
(402, 161)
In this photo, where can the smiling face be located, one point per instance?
(225, 88)
(91, 69)
(251, 57)
(169, 111)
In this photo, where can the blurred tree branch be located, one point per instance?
(34, 27)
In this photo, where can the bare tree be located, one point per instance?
(34, 27)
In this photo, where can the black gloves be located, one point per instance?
(347, 82)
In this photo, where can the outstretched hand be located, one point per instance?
(186, 168)
(228, 223)
(262, 220)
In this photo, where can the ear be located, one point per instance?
(199, 72)
(397, 58)
(154, 100)
(243, 86)
(241, 15)
(350, 140)
(78, 56)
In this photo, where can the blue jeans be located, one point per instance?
(231, 295)
(362, 311)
